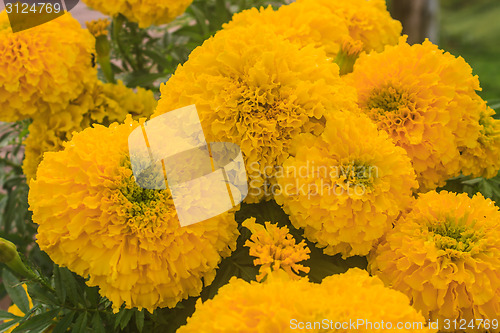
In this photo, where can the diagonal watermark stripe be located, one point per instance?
(205, 179)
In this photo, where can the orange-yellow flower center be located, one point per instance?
(145, 209)
(358, 173)
(455, 235)
(392, 108)
(276, 112)
(136, 194)
(388, 99)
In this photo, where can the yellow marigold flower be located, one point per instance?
(94, 219)
(98, 27)
(108, 103)
(445, 255)
(281, 304)
(304, 24)
(347, 186)
(357, 295)
(143, 12)
(275, 248)
(367, 21)
(426, 101)
(484, 159)
(42, 138)
(255, 89)
(342, 28)
(102, 103)
(42, 69)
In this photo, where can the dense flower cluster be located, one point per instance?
(342, 28)
(280, 303)
(258, 95)
(94, 219)
(143, 12)
(426, 101)
(43, 68)
(99, 104)
(339, 120)
(445, 255)
(346, 196)
(275, 248)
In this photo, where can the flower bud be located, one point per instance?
(10, 257)
(8, 251)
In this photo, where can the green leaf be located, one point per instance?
(169, 320)
(37, 323)
(323, 265)
(247, 272)
(220, 16)
(59, 286)
(158, 58)
(5, 326)
(486, 189)
(92, 295)
(321, 268)
(118, 318)
(16, 291)
(191, 32)
(123, 317)
(69, 283)
(472, 181)
(142, 80)
(139, 320)
(226, 270)
(42, 294)
(64, 323)
(7, 315)
(80, 324)
(97, 323)
(200, 19)
(495, 106)
(126, 318)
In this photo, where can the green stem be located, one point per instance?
(72, 308)
(137, 49)
(103, 49)
(105, 63)
(118, 22)
(45, 284)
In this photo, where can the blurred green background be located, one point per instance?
(471, 29)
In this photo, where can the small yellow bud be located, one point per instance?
(347, 55)
(98, 27)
